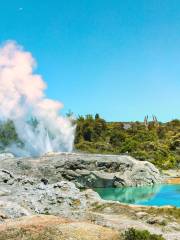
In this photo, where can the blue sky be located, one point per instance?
(119, 58)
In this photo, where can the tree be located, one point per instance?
(69, 114)
(8, 133)
(88, 133)
(97, 116)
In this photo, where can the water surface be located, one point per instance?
(157, 195)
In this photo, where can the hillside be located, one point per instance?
(154, 141)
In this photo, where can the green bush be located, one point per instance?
(8, 134)
(134, 234)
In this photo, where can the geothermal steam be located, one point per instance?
(22, 98)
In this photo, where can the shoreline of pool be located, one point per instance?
(173, 180)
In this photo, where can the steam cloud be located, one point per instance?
(22, 97)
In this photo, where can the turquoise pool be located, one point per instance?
(157, 195)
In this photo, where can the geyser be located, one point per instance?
(22, 98)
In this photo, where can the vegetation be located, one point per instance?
(156, 142)
(168, 213)
(133, 234)
(8, 134)
(31, 234)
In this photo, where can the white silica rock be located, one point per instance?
(6, 155)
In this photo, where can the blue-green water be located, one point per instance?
(157, 195)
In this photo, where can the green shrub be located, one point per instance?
(134, 234)
(8, 134)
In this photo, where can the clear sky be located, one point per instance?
(119, 58)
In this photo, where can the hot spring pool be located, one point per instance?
(157, 195)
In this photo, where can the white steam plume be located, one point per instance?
(22, 97)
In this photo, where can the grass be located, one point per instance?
(48, 233)
(171, 212)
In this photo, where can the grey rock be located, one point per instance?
(39, 185)
(86, 170)
(60, 198)
(156, 220)
(6, 177)
(141, 215)
(11, 209)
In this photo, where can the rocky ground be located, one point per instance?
(57, 184)
(172, 176)
(40, 227)
(85, 170)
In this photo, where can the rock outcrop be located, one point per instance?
(51, 184)
(28, 198)
(85, 170)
